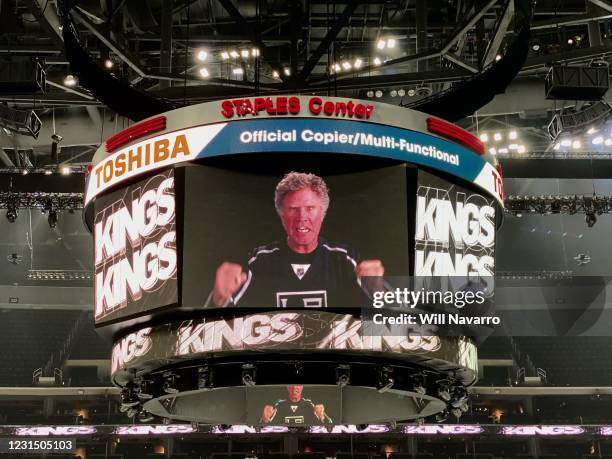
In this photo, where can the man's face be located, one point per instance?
(302, 216)
(295, 393)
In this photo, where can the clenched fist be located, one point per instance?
(319, 412)
(373, 272)
(228, 279)
(267, 414)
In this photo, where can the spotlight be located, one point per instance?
(484, 137)
(590, 219)
(170, 383)
(503, 151)
(237, 71)
(401, 92)
(576, 144)
(557, 146)
(377, 61)
(109, 64)
(346, 65)
(255, 52)
(56, 138)
(275, 74)
(343, 375)
(535, 46)
(381, 44)
(370, 93)
(337, 67)
(444, 391)
(597, 140)
(570, 41)
(225, 55)
(512, 135)
(521, 149)
(25, 172)
(591, 130)
(234, 54)
(442, 416)
(204, 378)
(70, 81)
(358, 63)
(493, 151)
(11, 214)
(145, 416)
(244, 53)
(393, 93)
(411, 92)
(204, 72)
(52, 218)
(202, 55)
(385, 380)
(287, 71)
(391, 43)
(608, 142)
(65, 170)
(497, 136)
(566, 142)
(498, 57)
(249, 375)
(378, 94)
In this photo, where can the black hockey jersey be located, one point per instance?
(279, 277)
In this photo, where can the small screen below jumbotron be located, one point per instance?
(294, 232)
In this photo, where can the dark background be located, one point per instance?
(228, 212)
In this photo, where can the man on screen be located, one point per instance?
(295, 410)
(304, 271)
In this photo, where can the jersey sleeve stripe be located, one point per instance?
(262, 251)
(344, 251)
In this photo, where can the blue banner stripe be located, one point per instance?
(348, 137)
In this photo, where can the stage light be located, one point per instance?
(11, 214)
(381, 44)
(484, 137)
(204, 72)
(591, 130)
(255, 52)
(287, 71)
(337, 67)
(535, 46)
(570, 41)
(513, 146)
(370, 93)
(566, 142)
(497, 136)
(234, 54)
(201, 55)
(503, 151)
(557, 146)
(576, 144)
(358, 63)
(590, 219)
(498, 57)
(343, 375)
(597, 140)
(377, 61)
(393, 93)
(521, 149)
(244, 53)
(378, 94)
(512, 135)
(385, 380)
(52, 218)
(65, 170)
(411, 92)
(145, 416)
(444, 391)
(25, 172)
(170, 383)
(391, 43)
(275, 74)
(70, 81)
(346, 65)
(249, 373)
(237, 71)
(225, 55)
(493, 151)
(608, 142)
(109, 64)
(401, 92)
(204, 378)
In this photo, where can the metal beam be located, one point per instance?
(604, 5)
(570, 20)
(500, 33)
(340, 23)
(165, 58)
(70, 90)
(460, 62)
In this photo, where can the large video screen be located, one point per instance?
(298, 237)
(135, 249)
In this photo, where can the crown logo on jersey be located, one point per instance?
(300, 270)
(294, 408)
